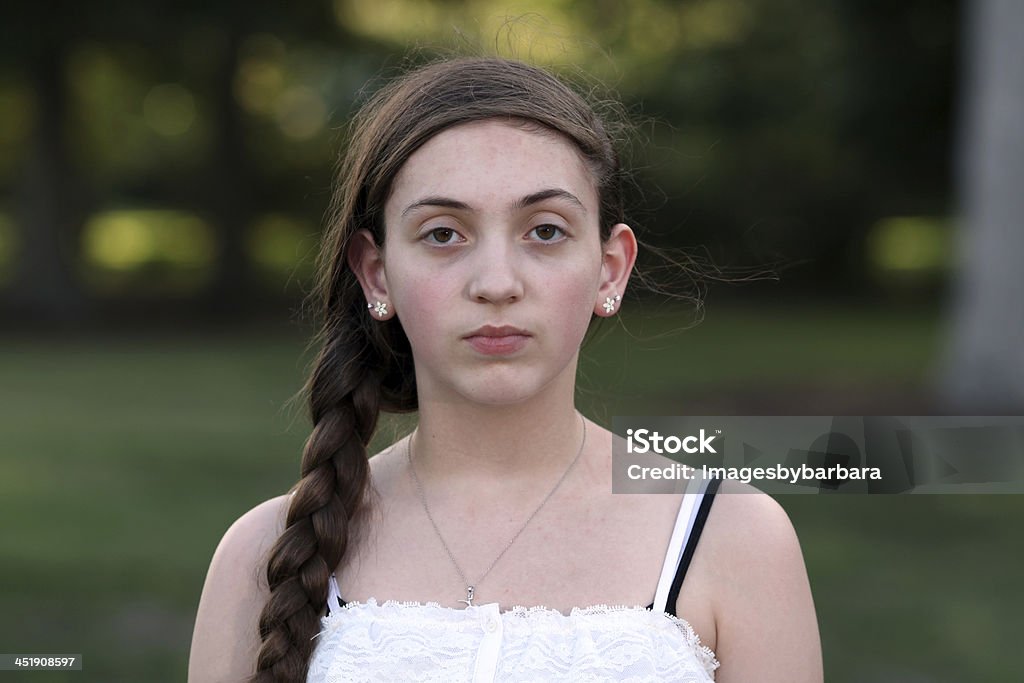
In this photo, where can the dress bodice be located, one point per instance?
(427, 642)
(398, 641)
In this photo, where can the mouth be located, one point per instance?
(494, 340)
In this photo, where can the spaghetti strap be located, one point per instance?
(333, 594)
(693, 512)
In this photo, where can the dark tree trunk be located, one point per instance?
(49, 208)
(229, 196)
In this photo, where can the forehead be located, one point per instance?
(484, 162)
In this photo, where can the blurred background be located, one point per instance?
(851, 168)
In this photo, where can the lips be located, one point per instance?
(497, 340)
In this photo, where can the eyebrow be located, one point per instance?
(521, 203)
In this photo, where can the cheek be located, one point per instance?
(420, 305)
(574, 302)
(420, 297)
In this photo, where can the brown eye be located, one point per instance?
(547, 233)
(442, 235)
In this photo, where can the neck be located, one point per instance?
(474, 444)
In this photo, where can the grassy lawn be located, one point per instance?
(124, 459)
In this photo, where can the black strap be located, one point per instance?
(341, 603)
(691, 545)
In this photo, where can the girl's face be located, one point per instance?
(493, 261)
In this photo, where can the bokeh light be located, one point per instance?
(165, 249)
(910, 248)
(283, 248)
(169, 109)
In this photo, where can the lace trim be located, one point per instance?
(705, 655)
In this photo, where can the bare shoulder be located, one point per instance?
(387, 467)
(225, 641)
(747, 524)
(760, 586)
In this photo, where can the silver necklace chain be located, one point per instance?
(471, 587)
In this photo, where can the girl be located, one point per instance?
(476, 233)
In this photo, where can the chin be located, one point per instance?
(490, 389)
(498, 385)
(499, 395)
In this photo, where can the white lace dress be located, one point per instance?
(403, 641)
(427, 642)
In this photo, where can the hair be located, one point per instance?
(364, 365)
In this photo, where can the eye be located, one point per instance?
(548, 233)
(440, 236)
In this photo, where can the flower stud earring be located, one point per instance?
(379, 307)
(609, 303)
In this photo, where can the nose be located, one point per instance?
(496, 276)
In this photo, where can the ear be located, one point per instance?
(618, 257)
(367, 262)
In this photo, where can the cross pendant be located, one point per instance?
(469, 597)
